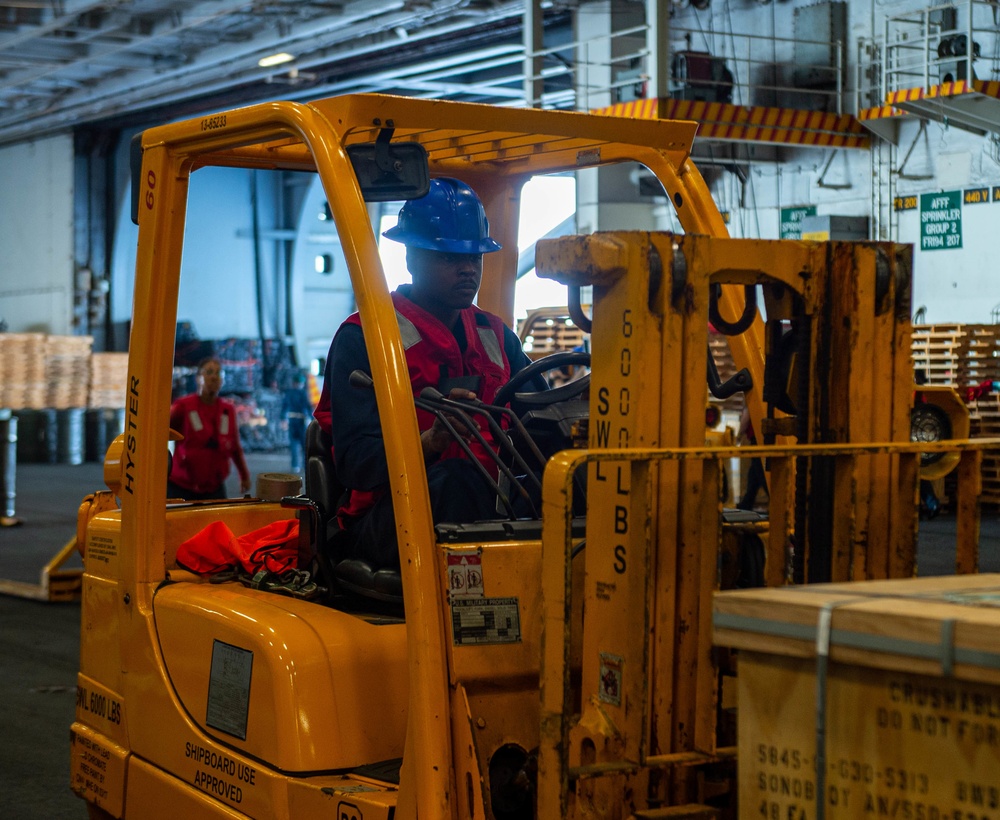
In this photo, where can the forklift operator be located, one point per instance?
(451, 345)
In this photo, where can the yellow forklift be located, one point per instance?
(575, 677)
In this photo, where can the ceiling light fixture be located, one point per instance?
(275, 59)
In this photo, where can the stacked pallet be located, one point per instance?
(982, 360)
(959, 355)
(108, 377)
(966, 356)
(67, 371)
(22, 370)
(984, 422)
(39, 371)
(549, 330)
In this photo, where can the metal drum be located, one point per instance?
(70, 436)
(8, 462)
(102, 426)
(31, 437)
(50, 434)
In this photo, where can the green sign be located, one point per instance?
(941, 221)
(791, 221)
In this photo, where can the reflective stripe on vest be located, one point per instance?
(491, 345)
(411, 336)
(408, 331)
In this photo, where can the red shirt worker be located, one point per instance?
(211, 439)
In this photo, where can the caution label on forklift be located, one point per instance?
(97, 769)
(465, 574)
(101, 548)
(609, 684)
(485, 621)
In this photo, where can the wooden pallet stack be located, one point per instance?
(67, 371)
(958, 355)
(984, 422)
(982, 360)
(108, 378)
(22, 371)
(39, 371)
(964, 356)
(937, 352)
(549, 330)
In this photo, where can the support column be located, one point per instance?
(534, 85)
(658, 57)
(608, 198)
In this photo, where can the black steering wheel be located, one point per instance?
(543, 398)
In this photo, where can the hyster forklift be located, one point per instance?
(553, 666)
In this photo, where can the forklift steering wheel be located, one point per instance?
(543, 398)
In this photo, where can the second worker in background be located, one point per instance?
(211, 439)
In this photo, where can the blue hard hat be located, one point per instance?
(450, 218)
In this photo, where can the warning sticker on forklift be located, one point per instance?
(97, 769)
(465, 574)
(609, 684)
(485, 621)
(229, 689)
(101, 548)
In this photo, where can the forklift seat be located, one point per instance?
(347, 576)
(321, 482)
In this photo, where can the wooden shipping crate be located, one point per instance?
(879, 698)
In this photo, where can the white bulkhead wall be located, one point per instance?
(36, 235)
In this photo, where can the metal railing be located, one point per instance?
(767, 70)
(744, 69)
(938, 44)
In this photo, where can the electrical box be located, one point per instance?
(820, 33)
(698, 75)
(850, 228)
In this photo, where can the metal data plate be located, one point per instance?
(229, 689)
(476, 621)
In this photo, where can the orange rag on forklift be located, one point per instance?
(274, 547)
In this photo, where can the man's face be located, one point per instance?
(449, 281)
(210, 378)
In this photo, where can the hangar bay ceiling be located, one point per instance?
(65, 63)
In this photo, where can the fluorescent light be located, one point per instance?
(275, 59)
